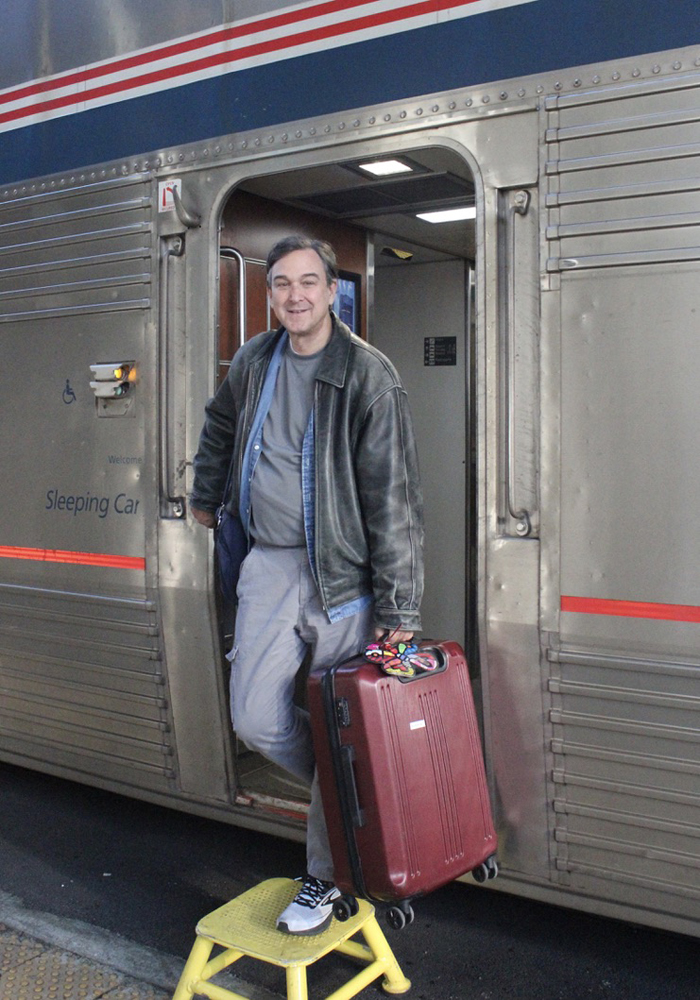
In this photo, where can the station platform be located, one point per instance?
(31, 969)
(43, 958)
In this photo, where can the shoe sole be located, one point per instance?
(311, 931)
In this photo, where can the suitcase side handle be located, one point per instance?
(339, 763)
(347, 759)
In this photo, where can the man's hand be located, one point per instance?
(205, 517)
(397, 635)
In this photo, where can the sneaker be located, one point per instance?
(311, 910)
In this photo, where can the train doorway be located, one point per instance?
(407, 284)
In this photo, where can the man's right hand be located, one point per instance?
(395, 635)
(205, 517)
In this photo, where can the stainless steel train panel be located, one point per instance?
(627, 456)
(508, 436)
(82, 673)
(75, 292)
(621, 249)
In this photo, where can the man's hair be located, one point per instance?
(291, 243)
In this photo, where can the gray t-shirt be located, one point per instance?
(277, 515)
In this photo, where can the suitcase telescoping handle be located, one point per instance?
(347, 759)
(336, 712)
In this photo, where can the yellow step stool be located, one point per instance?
(246, 926)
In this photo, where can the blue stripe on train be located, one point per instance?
(513, 42)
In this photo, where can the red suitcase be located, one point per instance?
(402, 780)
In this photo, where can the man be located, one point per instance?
(325, 479)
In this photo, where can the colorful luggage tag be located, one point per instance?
(401, 659)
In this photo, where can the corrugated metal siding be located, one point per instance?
(623, 184)
(81, 684)
(627, 752)
(84, 249)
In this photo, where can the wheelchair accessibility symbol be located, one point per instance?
(68, 394)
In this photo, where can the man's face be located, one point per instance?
(300, 294)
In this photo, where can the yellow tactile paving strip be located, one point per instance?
(15, 949)
(30, 970)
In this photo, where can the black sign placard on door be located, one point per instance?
(440, 351)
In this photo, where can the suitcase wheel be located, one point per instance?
(489, 869)
(345, 907)
(398, 916)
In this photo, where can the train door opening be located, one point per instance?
(407, 285)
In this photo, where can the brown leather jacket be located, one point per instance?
(368, 525)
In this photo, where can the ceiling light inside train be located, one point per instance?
(449, 214)
(385, 168)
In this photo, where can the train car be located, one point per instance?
(547, 336)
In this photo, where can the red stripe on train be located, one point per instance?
(631, 609)
(177, 48)
(206, 62)
(77, 558)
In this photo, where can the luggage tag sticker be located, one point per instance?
(400, 659)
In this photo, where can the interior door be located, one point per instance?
(420, 319)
